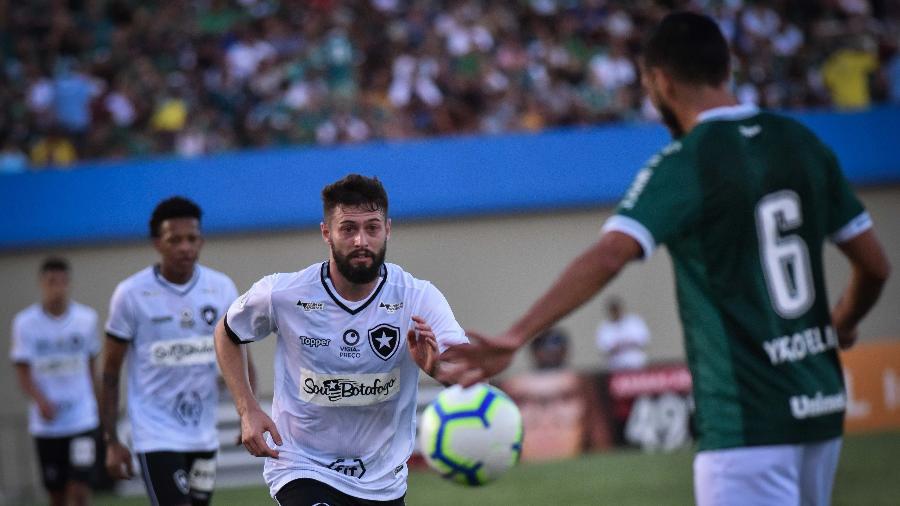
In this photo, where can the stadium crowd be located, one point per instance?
(108, 79)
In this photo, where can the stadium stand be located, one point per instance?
(113, 79)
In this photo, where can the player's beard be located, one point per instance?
(359, 274)
(670, 120)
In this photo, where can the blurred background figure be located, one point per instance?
(550, 350)
(622, 338)
(560, 414)
(54, 347)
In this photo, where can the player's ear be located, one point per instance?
(326, 234)
(387, 228)
(665, 83)
(157, 244)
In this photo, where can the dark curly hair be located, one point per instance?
(173, 207)
(355, 190)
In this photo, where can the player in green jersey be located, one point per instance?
(744, 200)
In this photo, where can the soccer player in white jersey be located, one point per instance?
(162, 319)
(343, 422)
(54, 344)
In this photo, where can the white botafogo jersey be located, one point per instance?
(345, 384)
(58, 351)
(172, 374)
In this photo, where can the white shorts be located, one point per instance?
(782, 475)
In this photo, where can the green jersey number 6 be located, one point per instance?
(784, 256)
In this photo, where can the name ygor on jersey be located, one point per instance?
(800, 345)
(348, 389)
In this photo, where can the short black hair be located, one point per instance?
(355, 190)
(173, 207)
(54, 264)
(690, 47)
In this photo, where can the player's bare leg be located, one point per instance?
(78, 493)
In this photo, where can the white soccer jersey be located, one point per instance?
(59, 350)
(345, 384)
(172, 373)
(623, 342)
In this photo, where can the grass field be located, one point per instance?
(869, 474)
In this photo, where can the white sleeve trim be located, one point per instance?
(853, 228)
(632, 228)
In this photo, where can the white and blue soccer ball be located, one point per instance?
(472, 435)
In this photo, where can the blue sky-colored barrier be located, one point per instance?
(438, 178)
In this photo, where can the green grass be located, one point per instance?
(620, 478)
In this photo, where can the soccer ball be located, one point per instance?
(472, 435)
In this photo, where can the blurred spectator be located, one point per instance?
(12, 159)
(72, 93)
(560, 412)
(129, 79)
(846, 73)
(53, 150)
(622, 338)
(893, 77)
(550, 350)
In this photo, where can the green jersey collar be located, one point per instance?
(728, 113)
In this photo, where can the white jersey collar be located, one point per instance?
(174, 287)
(728, 113)
(325, 278)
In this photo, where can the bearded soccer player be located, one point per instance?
(54, 345)
(161, 320)
(353, 332)
(744, 200)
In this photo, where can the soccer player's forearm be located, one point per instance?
(23, 373)
(113, 357)
(871, 270)
(109, 405)
(232, 363)
(860, 296)
(581, 280)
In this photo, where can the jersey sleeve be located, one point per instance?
(663, 201)
(847, 218)
(250, 317)
(122, 323)
(435, 309)
(20, 351)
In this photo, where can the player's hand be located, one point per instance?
(482, 358)
(846, 333)
(846, 336)
(254, 424)
(118, 461)
(422, 345)
(47, 409)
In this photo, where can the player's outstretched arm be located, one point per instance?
(118, 458)
(579, 282)
(254, 421)
(870, 272)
